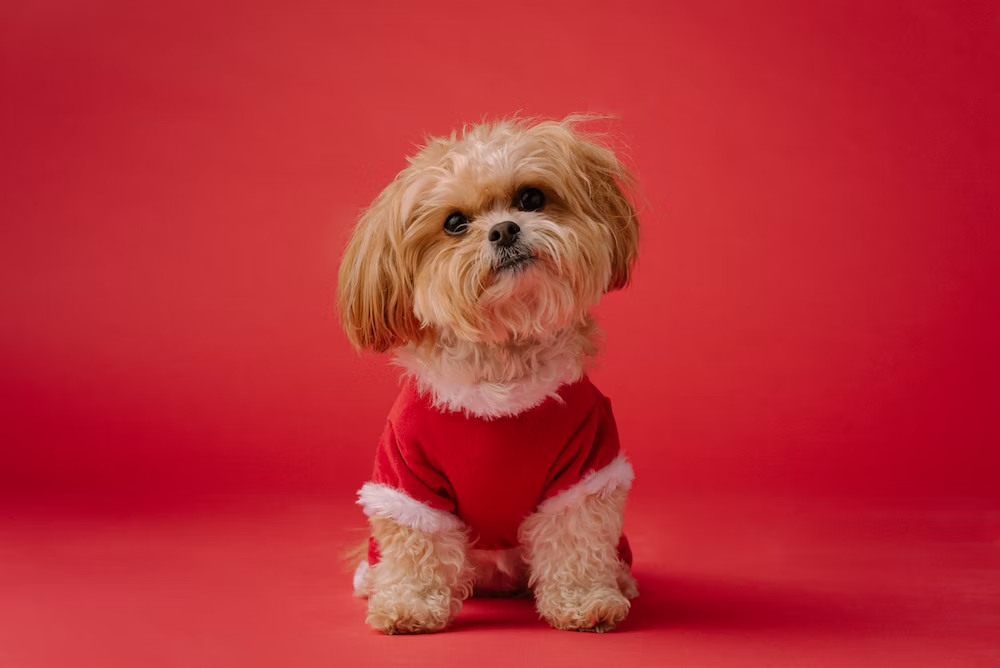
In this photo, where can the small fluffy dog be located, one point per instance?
(499, 470)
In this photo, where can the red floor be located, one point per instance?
(739, 583)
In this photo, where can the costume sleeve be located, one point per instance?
(591, 462)
(405, 487)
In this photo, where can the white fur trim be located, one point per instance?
(493, 400)
(617, 474)
(360, 586)
(489, 400)
(384, 501)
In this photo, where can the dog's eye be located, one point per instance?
(456, 224)
(530, 199)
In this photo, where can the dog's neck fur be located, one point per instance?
(491, 380)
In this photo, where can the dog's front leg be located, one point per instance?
(420, 580)
(580, 584)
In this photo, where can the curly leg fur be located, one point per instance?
(420, 581)
(579, 582)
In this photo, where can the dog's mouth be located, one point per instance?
(513, 262)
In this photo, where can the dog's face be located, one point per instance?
(507, 231)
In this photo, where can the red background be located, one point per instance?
(805, 371)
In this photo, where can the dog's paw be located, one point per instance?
(597, 609)
(402, 610)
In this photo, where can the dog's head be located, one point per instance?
(508, 230)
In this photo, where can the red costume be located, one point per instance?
(437, 470)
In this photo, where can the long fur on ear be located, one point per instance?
(611, 186)
(375, 292)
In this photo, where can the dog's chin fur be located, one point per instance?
(500, 379)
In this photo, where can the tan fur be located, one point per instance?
(578, 580)
(374, 291)
(403, 280)
(420, 581)
(502, 378)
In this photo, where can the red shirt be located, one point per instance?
(492, 473)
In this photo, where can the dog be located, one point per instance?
(499, 470)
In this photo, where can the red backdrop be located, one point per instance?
(814, 315)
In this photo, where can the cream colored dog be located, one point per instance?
(499, 469)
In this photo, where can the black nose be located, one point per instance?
(504, 234)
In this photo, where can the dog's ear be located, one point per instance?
(611, 185)
(375, 288)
